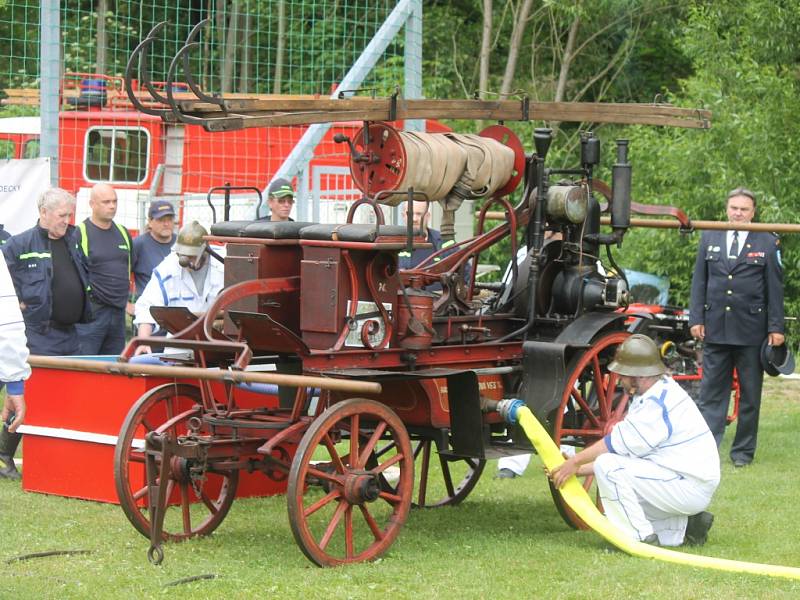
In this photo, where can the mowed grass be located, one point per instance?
(505, 541)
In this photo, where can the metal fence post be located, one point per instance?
(50, 76)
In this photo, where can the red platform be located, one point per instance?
(71, 427)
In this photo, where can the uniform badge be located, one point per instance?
(778, 254)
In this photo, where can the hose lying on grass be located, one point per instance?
(577, 498)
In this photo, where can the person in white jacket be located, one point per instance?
(658, 468)
(14, 370)
(187, 277)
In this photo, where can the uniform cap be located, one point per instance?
(637, 356)
(160, 208)
(280, 188)
(776, 360)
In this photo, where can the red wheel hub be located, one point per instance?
(360, 487)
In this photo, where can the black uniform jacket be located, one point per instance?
(31, 267)
(739, 301)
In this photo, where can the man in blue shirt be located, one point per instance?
(153, 245)
(419, 215)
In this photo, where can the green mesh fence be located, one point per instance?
(251, 47)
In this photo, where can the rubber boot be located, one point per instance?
(8, 446)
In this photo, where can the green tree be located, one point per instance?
(745, 70)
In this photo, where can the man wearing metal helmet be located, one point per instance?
(658, 468)
(186, 277)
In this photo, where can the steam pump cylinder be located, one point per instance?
(567, 203)
(621, 188)
(590, 150)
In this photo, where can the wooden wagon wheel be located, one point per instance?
(167, 409)
(592, 402)
(445, 482)
(340, 509)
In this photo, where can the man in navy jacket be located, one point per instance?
(737, 302)
(50, 277)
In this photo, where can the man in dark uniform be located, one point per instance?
(737, 302)
(107, 247)
(46, 264)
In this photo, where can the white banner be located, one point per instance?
(22, 181)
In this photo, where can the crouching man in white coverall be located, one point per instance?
(659, 467)
(187, 277)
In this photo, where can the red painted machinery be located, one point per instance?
(669, 327)
(326, 308)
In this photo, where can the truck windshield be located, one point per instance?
(116, 154)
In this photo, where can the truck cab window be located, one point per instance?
(31, 149)
(116, 154)
(6, 149)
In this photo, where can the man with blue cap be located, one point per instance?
(155, 244)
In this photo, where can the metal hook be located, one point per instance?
(146, 81)
(173, 68)
(129, 70)
(201, 95)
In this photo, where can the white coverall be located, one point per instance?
(662, 465)
(172, 285)
(13, 344)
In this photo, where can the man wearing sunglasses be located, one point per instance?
(280, 197)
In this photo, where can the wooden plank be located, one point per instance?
(259, 113)
(245, 111)
(247, 121)
(616, 108)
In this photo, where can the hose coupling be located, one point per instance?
(508, 409)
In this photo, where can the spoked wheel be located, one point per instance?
(592, 402)
(198, 497)
(445, 481)
(340, 508)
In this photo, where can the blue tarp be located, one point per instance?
(647, 288)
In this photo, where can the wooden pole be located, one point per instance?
(121, 368)
(718, 225)
(673, 224)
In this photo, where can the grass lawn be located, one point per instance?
(505, 541)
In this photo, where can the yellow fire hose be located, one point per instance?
(577, 498)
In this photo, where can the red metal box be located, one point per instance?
(71, 428)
